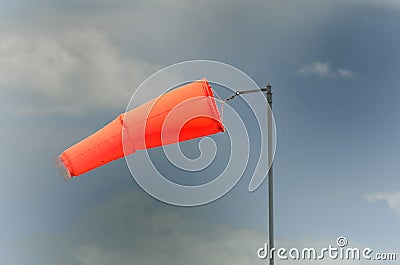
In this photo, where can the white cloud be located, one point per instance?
(345, 73)
(318, 68)
(391, 198)
(324, 69)
(67, 71)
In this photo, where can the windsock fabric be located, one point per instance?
(182, 114)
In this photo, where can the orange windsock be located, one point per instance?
(182, 114)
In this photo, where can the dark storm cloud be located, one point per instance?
(131, 229)
(68, 67)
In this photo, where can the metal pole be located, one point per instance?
(270, 174)
(270, 178)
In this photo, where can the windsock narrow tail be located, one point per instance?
(98, 149)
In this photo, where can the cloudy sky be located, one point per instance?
(69, 67)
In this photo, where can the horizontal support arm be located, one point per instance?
(237, 93)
